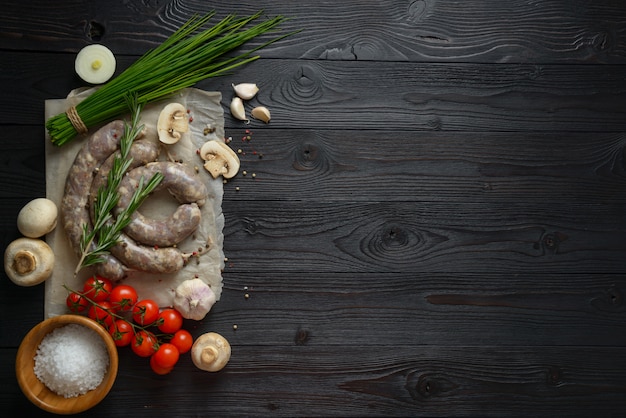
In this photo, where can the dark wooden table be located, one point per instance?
(437, 226)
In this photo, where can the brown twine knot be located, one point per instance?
(76, 121)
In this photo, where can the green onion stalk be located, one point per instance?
(189, 55)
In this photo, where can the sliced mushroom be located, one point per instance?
(220, 159)
(28, 261)
(172, 123)
(210, 352)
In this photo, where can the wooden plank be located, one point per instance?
(271, 236)
(364, 30)
(512, 309)
(549, 170)
(373, 95)
(376, 380)
(331, 309)
(391, 165)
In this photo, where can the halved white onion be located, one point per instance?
(95, 64)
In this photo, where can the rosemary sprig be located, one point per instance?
(106, 230)
(188, 56)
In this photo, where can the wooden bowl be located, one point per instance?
(37, 392)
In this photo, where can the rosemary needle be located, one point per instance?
(106, 230)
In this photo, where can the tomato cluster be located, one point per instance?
(139, 323)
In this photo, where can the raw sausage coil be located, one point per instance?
(75, 203)
(184, 184)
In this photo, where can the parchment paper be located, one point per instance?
(205, 109)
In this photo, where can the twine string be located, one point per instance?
(76, 121)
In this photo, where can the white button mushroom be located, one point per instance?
(37, 218)
(172, 123)
(28, 261)
(220, 159)
(210, 352)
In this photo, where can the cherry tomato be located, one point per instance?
(158, 369)
(166, 356)
(144, 344)
(123, 297)
(76, 302)
(101, 313)
(183, 340)
(145, 312)
(170, 321)
(122, 332)
(97, 288)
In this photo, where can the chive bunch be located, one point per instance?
(189, 55)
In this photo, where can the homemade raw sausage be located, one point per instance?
(184, 184)
(142, 151)
(148, 259)
(75, 203)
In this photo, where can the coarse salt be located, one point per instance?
(71, 360)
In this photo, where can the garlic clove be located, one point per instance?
(246, 91)
(237, 109)
(261, 113)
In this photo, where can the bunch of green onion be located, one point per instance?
(189, 55)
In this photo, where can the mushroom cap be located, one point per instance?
(172, 123)
(210, 352)
(37, 218)
(28, 261)
(220, 159)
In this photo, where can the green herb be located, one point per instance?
(106, 230)
(188, 56)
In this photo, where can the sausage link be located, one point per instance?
(75, 203)
(148, 259)
(180, 181)
(142, 151)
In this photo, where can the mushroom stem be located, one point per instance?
(209, 354)
(24, 262)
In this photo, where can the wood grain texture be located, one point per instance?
(432, 224)
(416, 238)
(514, 309)
(400, 96)
(374, 381)
(364, 30)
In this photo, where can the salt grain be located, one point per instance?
(71, 360)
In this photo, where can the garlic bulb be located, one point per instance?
(193, 298)
(246, 91)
